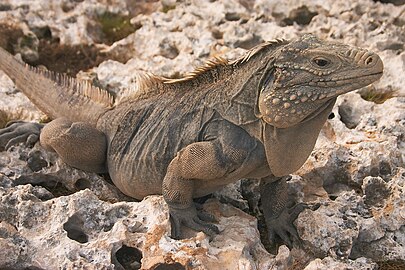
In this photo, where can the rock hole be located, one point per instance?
(74, 229)
(338, 182)
(43, 32)
(166, 266)
(75, 58)
(48, 52)
(376, 95)
(168, 49)
(5, 7)
(385, 168)
(217, 34)
(232, 16)
(129, 257)
(35, 161)
(333, 196)
(82, 183)
(301, 15)
(331, 116)
(394, 2)
(347, 116)
(115, 213)
(376, 191)
(115, 27)
(52, 183)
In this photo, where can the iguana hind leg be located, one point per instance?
(196, 161)
(78, 144)
(19, 132)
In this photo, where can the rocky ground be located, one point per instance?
(55, 217)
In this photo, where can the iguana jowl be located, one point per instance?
(256, 117)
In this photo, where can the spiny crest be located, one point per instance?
(219, 61)
(147, 80)
(81, 88)
(207, 66)
(146, 85)
(149, 84)
(255, 50)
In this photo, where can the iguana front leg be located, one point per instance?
(197, 162)
(279, 209)
(203, 167)
(78, 144)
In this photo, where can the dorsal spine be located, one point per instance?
(55, 94)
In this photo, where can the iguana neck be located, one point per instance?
(236, 97)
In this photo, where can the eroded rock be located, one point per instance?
(355, 173)
(96, 234)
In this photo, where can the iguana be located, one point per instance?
(255, 117)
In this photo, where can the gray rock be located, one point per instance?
(332, 228)
(330, 263)
(95, 235)
(355, 173)
(376, 191)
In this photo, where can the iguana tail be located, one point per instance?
(57, 95)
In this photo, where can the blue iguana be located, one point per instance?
(255, 117)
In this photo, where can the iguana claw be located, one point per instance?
(19, 132)
(283, 226)
(193, 219)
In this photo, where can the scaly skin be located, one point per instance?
(256, 117)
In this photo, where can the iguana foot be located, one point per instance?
(19, 132)
(193, 219)
(283, 226)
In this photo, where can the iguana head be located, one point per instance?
(308, 74)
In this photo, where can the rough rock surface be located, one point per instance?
(53, 216)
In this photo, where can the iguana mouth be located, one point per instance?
(331, 98)
(343, 81)
(370, 76)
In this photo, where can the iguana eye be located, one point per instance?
(321, 62)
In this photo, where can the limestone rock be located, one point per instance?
(54, 216)
(94, 234)
(13, 104)
(349, 228)
(22, 165)
(330, 263)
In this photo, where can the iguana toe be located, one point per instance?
(204, 216)
(296, 210)
(283, 226)
(199, 225)
(191, 218)
(176, 227)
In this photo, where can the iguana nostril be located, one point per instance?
(370, 60)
